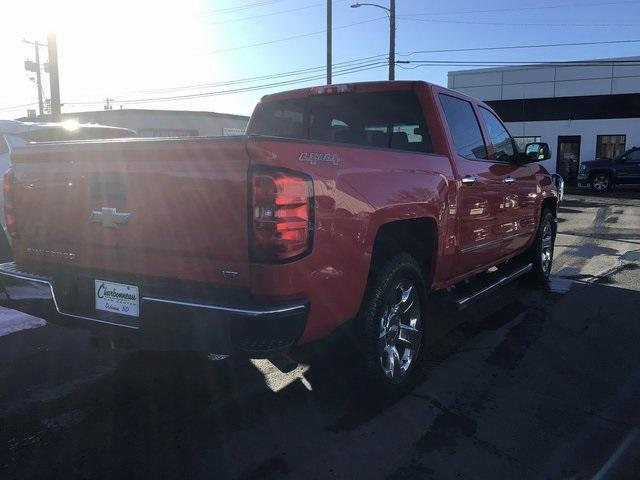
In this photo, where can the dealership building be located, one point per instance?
(583, 110)
(161, 123)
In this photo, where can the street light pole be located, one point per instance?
(329, 40)
(392, 40)
(391, 13)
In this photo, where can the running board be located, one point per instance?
(465, 294)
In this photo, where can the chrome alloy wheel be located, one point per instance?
(600, 182)
(400, 332)
(546, 251)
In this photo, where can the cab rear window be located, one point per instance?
(382, 119)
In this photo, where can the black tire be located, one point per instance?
(387, 283)
(600, 182)
(6, 254)
(542, 250)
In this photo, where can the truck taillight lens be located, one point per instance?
(8, 187)
(281, 215)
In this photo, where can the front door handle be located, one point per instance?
(469, 180)
(509, 180)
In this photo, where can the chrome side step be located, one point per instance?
(501, 278)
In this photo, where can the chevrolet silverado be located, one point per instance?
(342, 204)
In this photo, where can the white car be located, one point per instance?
(15, 134)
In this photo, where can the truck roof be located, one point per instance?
(378, 86)
(336, 88)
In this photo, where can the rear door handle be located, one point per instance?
(509, 180)
(469, 180)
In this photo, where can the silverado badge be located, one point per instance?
(109, 217)
(315, 158)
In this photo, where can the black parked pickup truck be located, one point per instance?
(602, 175)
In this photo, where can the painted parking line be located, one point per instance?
(12, 321)
(616, 455)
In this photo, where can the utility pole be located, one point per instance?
(329, 40)
(392, 40)
(39, 79)
(54, 80)
(35, 68)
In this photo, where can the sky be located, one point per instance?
(223, 55)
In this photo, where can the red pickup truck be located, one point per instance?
(341, 203)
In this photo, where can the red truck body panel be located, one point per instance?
(189, 205)
(187, 201)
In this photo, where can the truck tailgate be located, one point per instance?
(174, 208)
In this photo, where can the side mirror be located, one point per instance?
(535, 152)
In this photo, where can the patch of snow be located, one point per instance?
(12, 321)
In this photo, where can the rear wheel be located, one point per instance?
(600, 182)
(392, 322)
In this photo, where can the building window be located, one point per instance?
(232, 131)
(610, 146)
(521, 142)
(165, 132)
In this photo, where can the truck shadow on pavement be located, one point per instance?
(181, 416)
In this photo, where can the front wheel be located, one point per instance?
(600, 182)
(392, 321)
(542, 249)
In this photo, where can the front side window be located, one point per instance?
(382, 119)
(500, 139)
(633, 156)
(464, 127)
(610, 146)
(3, 145)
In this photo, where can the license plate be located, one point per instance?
(117, 298)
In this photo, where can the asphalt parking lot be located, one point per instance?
(526, 384)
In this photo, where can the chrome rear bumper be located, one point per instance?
(166, 323)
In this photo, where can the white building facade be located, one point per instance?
(583, 110)
(163, 123)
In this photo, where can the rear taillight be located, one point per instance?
(281, 215)
(8, 187)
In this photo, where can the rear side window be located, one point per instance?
(3, 145)
(464, 127)
(382, 119)
(500, 138)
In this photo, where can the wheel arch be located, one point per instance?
(416, 236)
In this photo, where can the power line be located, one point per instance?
(238, 8)
(354, 62)
(252, 17)
(568, 63)
(345, 71)
(17, 107)
(490, 64)
(519, 9)
(515, 47)
(513, 24)
(360, 60)
(293, 37)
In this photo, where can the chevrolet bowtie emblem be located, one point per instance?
(109, 217)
